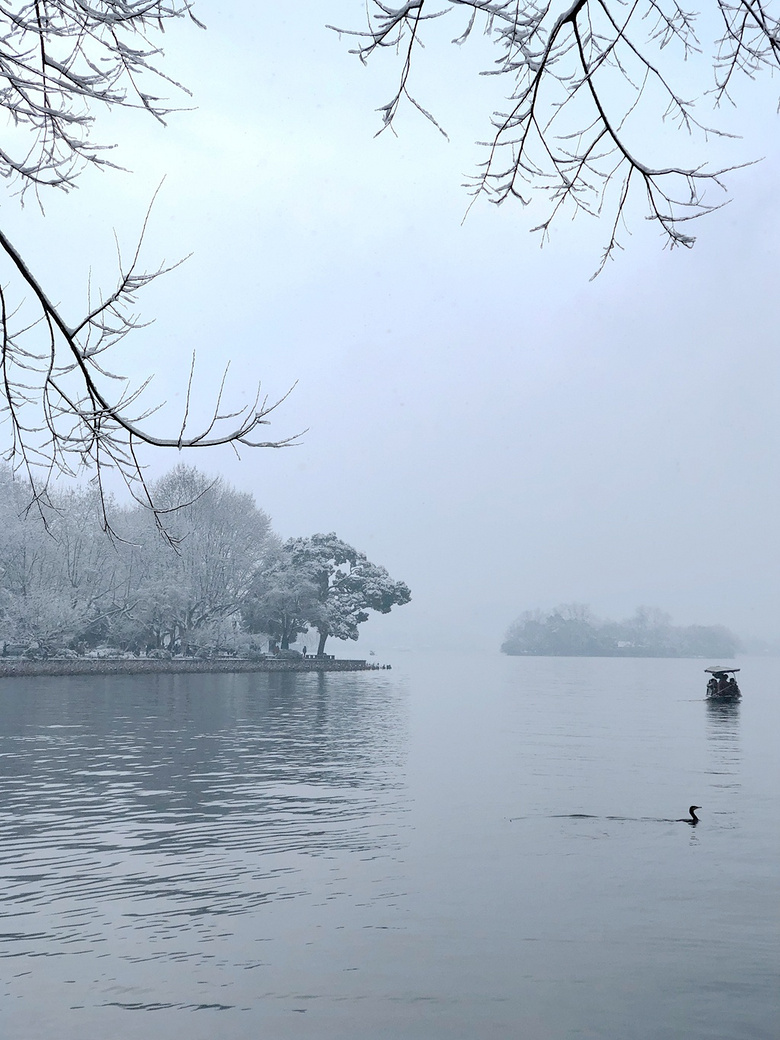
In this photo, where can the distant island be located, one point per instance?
(571, 630)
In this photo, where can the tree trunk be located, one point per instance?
(287, 630)
(321, 646)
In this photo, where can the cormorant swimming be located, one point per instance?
(694, 818)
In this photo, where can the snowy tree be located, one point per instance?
(57, 570)
(219, 538)
(347, 585)
(282, 599)
(62, 581)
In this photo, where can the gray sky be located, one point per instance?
(494, 428)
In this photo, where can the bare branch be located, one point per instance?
(59, 59)
(583, 79)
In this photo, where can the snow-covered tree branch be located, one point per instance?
(62, 404)
(587, 86)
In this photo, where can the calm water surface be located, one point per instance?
(463, 847)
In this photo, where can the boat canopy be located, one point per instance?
(717, 670)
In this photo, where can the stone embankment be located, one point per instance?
(144, 666)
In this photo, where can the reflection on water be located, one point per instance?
(724, 742)
(145, 816)
(723, 715)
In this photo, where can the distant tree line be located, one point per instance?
(571, 630)
(217, 580)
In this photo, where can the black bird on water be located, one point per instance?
(694, 818)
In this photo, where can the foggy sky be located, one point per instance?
(497, 430)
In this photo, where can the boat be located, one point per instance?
(722, 684)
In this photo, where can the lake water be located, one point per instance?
(462, 847)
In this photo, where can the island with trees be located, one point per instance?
(572, 630)
(214, 583)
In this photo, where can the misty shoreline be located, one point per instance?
(638, 652)
(130, 666)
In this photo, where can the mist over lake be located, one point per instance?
(466, 846)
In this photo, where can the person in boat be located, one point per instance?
(731, 685)
(723, 682)
(712, 686)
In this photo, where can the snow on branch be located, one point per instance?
(62, 406)
(584, 83)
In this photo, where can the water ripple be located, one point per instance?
(168, 821)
